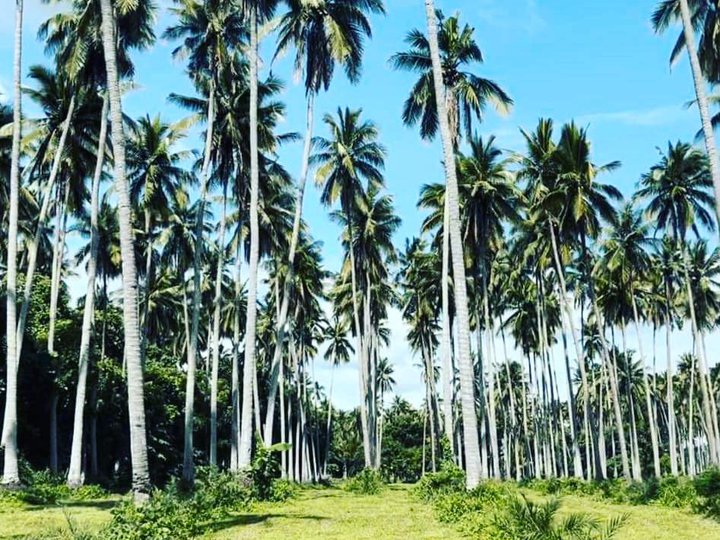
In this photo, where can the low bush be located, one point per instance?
(676, 492)
(707, 487)
(282, 490)
(174, 513)
(366, 482)
(449, 479)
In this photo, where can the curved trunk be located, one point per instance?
(34, 244)
(58, 252)
(136, 401)
(467, 390)
(75, 470)
(701, 95)
(246, 426)
(284, 305)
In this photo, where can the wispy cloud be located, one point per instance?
(4, 94)
(518, 15)
(657, 116)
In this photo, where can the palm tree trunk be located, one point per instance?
(136, 400)
(217, 305)
(672, 436)
(246, 428)
(235, 383)
(34, 244)
(329, 417)
(192, 352)
(146, 284)
(284, 305)
(467, 390)
(75, 470)
(446, 350)
(576, 340)
(8, 441)
(652, 420)
(701, 95)
(712, 436)
(55, 279)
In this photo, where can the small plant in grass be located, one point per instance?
(366, 482)
(265, 469)
(282, 490)
(522, 519)
(676, 492)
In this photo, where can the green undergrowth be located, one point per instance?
(499, 511)
(366, 482)
(700, 494)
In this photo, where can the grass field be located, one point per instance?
(336, 514)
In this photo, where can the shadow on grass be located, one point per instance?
(252, 519)
(101, 504)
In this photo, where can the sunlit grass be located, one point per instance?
(645, 522)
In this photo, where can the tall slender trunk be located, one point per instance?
(136, 400)
(75, 470)
(448, 375)
(467, 390)
(576, 341)
(329, 417)
(217, 306)
(235, 383)
(8, 441)
(246, 428)
(146, 284)
(192, 352)
(652, 420)
(284, 305)
(706, 409)
(690, 433)
(702, 100)
(56, 276)
(672, 435)
(34, 244)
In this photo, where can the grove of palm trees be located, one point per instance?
(267, 263)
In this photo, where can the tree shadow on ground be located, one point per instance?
(252, 519)
(100, 504)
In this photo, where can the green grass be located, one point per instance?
(20, 520)
(337, 514)
(645, 522)
(319, 513)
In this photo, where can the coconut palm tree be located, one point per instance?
(11, 474)
(350, 156)
(256, 12)
(676, 190)
(210, 32)
(625, 256)
(323, 34)
(338, 352)
(154, 172)
(466, 94)
(136, 401)
(471, 445)
(704, 63)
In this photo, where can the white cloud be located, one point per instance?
(656, 116)
(4, 94)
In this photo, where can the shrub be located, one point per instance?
(707, 486)
(176, 514)
(449, 479)
(366, 482)
(676, 492)
(471, 510)
(265, 469)
(282, 490)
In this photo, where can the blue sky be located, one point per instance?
(597, 62)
